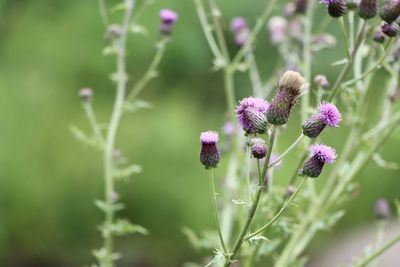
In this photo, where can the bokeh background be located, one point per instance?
(48, 181)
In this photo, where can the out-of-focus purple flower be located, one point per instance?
(228, 128)
(379, 37)
(382, 209)
(238, 24)
(86, 94)
(321, 81)
(367, 9)
(258, 148)
(290, 87)
(320, 154)
(295, 29)
(390, 11)
(114, 196)
(251, 114)
(277, 27)
(168, 19)
(209, 154)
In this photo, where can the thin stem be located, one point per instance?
(230, 95)
(248, 164)
(252, 36)
(287, 151)
(207, 31)
(151, 71)
(139, 13)
(103, 12)
(379, 252)
(254, 205)
(215, 208)
(93, 123)
(216, 14)
(112, 132)
(276, 217)
(374, 67)
(345, 38)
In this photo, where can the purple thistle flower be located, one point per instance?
(277, 27)
(301, 6)
(320, 154)
(367, 9)
(382, 209)
(322, 81)
(251, 114)
(168, 18)
(209, 154)
(379, 37)
(290, 87)
(330, 114)
(258, 148)
(86, 94)
(238, 24)
(390, 29)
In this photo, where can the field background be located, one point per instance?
(48, 181)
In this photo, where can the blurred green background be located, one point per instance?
(48, 181)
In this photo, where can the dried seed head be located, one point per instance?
(209, 154)
(367, 9)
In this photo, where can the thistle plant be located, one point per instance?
(255, 219)
(126, 100)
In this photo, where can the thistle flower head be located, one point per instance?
(382, 209)
(367, 9)
(390, 11)
(330, 114)
(336, 8)
(86, 94)
(168, 19)
(258, 148)
(379, 37)
(251, 114)
(322, 81)
(323, 153)
(238, 24)
(289, 90)
(300, 6)
(209, 154)
(390, 29)
(209, 137)
(320, 154)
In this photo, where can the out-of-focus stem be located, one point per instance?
(254, 75)
(216, 14)
(93, 123)
(345, 37)
(103, 12)
(151, 71)
(112, 132)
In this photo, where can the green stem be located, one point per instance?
(216, 14)
(112, 132)
(103, 12)
(93, 123)
(379, 252)
(345, 38)
(287, 151)
(255, 203)
(151, 71)
(215, 208)
(280, 212)
(254, 75)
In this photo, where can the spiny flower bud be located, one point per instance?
(390, 11)
(320, 154)
(168, 19)
(251, 115)
(379, 37)
(328, 116)
(258, 148)
(209, 154)
(336, 8)
(382, 209)
(390, 30)
(289, 90)
(321, 81)
(367, 9)
(86, 94)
